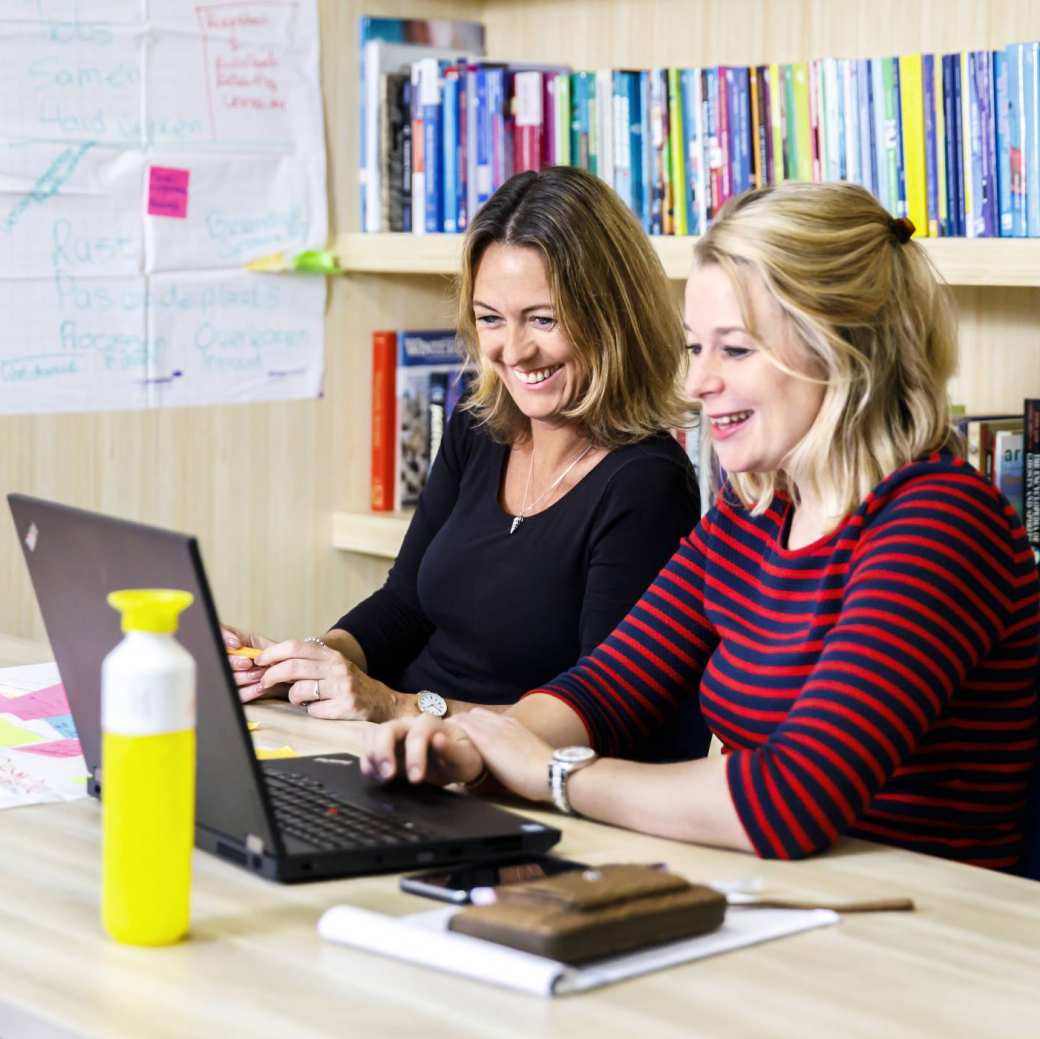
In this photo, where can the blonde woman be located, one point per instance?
(857, 615)
(555, 497)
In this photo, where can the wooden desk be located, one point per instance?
(967, 963)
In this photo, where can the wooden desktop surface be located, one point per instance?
(966, 963)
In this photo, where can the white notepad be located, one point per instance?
(424, 938)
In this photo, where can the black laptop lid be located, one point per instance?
(75, 559)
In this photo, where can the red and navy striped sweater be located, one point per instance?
(881, 682)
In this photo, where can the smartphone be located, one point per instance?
(454, 883)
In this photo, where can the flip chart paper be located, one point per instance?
(147, 154)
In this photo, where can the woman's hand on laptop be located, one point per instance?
(425, 749)
(244, 669)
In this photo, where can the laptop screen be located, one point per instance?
(75, 559)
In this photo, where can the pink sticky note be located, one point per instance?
(168, 191)
(44, 703)
(54, 749)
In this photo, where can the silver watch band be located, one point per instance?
(559, 771)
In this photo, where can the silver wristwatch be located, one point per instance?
(566, 760)
(430, 702)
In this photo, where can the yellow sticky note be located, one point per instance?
(12, 735)
(265, 753)
(252, 726)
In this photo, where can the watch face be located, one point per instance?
(574, 755)
(432, 703)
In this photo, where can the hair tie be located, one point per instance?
(903, 229)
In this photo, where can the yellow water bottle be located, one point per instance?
(147, 771)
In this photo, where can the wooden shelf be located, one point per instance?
(370, 533)
(961, 261)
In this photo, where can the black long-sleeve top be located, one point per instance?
(478, 614)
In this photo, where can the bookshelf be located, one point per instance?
(961, 261)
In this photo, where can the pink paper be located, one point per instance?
(54, 749)
(168, 191)
(44, 703)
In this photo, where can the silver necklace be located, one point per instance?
(525, 509)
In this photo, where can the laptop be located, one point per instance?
(288, 819)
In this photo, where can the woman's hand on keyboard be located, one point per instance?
(424, 748)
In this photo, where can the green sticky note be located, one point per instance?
(12, 735)
(316, 261)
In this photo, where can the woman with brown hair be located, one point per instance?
(857, 614)
(556, 494)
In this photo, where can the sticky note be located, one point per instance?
(12, 735)
(252, 726)
(266, 753)
(56, 749)
(42, 704)
(244, 651)
(168, 191)
(64, 724)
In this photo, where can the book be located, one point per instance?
(384, 388)
(911, 86)
(427, 363)
(1031, 471)
(1007, 466)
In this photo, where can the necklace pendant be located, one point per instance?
(517, 520)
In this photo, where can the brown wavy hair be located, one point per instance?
(611, 297)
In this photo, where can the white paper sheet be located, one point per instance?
(148, 152)
(423, 938)
(48, 765)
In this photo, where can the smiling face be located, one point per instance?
(758, 412)
(519, 332)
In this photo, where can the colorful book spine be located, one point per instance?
(449, 203)
(970, 158)
(692, 118)
(1031, 92)
(433, 167)
(832, 120)
(1005, 221)
(384, 360)
(580, 144)
(817, 119)
(418, 155)
(648, 155)
(866, 126)
(660, 213)
(1031, 471)
(1016, 138)
(890, 141)
(850, 120)
(954, 145)
(562, 97)
(911, 100)
(605, 125)
(776, 123)
(1007, 466)
(743, 142)
(500, 152)
(941, 191)
(987, 141)
(633, 139)
(931, 171)
(529, 121)
(800, 106)
(713, 149)
(677, 153)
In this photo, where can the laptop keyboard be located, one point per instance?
(306, 810)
